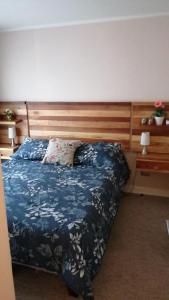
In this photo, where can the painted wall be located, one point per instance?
(6, 279)
(120, 60)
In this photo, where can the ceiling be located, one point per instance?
(22, 14)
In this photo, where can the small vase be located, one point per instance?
(159, 120)
(9, 117)
(150, 121)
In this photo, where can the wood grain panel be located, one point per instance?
(83, 113)
(85, 121)
(46, 133)
(86, 124)
(159, 135)
(77, 118)
(19, 109)
(79, 129)
(153, 163)
(153, 166)
(78, 105)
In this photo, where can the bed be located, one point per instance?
(60, 217)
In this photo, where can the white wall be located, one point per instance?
(120, 60)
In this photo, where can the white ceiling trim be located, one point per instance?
(83, 22)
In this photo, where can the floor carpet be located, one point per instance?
(136, 263)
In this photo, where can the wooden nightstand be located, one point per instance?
(153, 162)
(6, 150)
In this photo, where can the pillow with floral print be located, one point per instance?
(97, 154)
(104, 155)
(61, 151)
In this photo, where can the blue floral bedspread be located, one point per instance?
(60, 217)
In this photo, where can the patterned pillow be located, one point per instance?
(33, 149)
(97, 154)
(104, 155)
(61, 151)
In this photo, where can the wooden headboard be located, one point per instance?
(86, 121)
(159, 135)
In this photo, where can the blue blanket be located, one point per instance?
(60, 217)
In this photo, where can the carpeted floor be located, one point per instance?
(136, 263)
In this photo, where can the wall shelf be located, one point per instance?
(8, 123)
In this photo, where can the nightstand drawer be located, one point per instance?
(153, 165)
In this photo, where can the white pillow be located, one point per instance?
(61, 151)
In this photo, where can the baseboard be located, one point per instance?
(150, 191)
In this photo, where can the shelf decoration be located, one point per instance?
(143, 121)
(9, 114)
(159, 113)
(150, 121)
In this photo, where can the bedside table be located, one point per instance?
(6, 150)
(153, 163)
